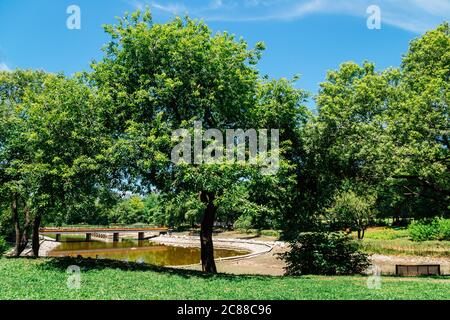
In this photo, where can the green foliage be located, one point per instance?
(419, 125)
(424, 230)
(50, 147)
(3, 246)
(129, 211)
(352, 211)
(158, 78)
(444, 229)
(324, 253)
(6, 224)
(153, 210)
(243, 223)
(387, 129)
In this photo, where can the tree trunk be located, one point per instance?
(15, 214)
(21, 234)
(207, 248)
(361, 234)
(396, 221)
(35, 240)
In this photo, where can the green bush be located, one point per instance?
(3, 246)
(444, 229)
(325, 254)
(244, 222)
(425, 230)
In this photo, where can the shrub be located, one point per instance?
(444, 229)
(325, 254)
(244, 222)
(423, 230)
(3, 246)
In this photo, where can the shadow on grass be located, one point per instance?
(86, 264)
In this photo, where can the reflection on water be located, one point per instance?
(137, 251)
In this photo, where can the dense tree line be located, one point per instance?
(70, 148)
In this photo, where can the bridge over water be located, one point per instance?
(101, 232)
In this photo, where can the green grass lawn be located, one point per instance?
(47, 279)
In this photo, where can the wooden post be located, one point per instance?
(115, 236)
(58, 237)
(88, 237)
(141, 236)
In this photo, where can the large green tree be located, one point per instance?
(386, 132)
(162, 77)
(50, 148)
(347, 143)
(14, 150)
(419, 124)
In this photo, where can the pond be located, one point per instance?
(137, 251)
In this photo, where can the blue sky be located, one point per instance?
(306, 37)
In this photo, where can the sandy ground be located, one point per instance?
(387, 263)
(46, 245)
(265, 264)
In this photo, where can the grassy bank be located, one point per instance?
(396, 241)
(47, 279)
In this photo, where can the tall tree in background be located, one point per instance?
(387, 132)
(419, 124)
(50, 150)
(15, 151)
(347, 143)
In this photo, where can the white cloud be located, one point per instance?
(412, 15)
(216, 4)
(435, 6)
(4, 67)
(175, 8)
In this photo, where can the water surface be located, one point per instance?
(137, 251)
